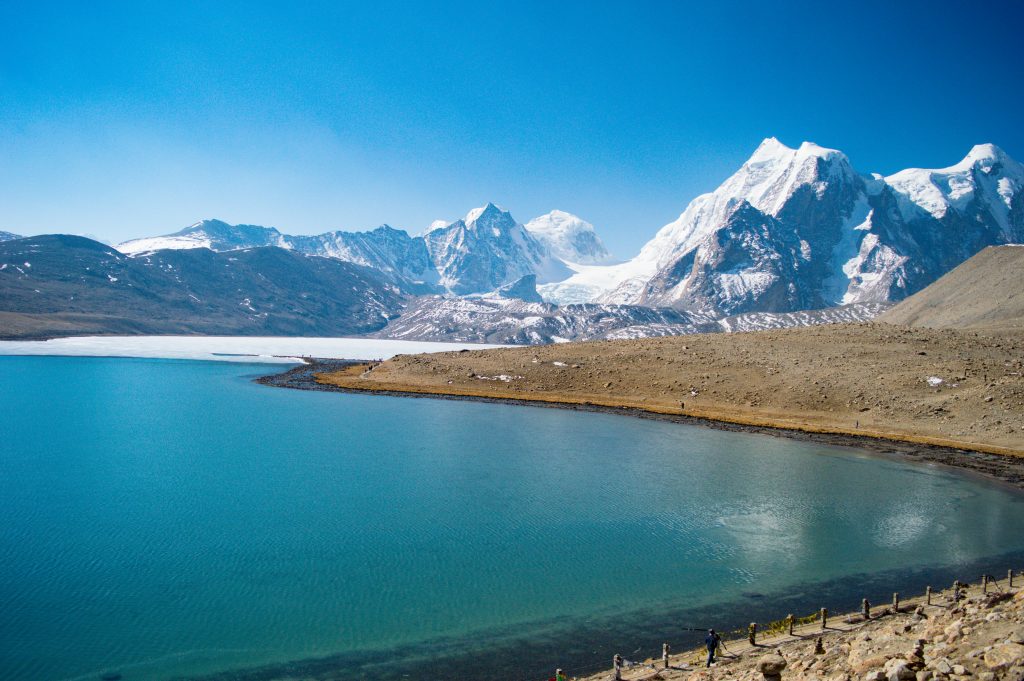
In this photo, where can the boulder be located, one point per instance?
(898, 670)
(860, 664)
(771, 666)
(1004, 655)
(996, 598)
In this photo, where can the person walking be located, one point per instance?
(712, 641)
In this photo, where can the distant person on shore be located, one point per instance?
(712, 641)
(560, 675)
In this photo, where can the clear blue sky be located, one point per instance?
(127, 119)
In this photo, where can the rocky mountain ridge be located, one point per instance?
(59, 284)
(795, 236)
(512, 321)
(797, 229)
(793, 229)
(478, 253)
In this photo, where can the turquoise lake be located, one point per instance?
(172, 519)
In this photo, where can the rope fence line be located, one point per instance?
(756, 637)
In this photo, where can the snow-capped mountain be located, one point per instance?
(389, 250)
(213, 234)
(797, 229)
(479, 253)
(488, 249)
(8, 236)
(569, 238)
(792, 229)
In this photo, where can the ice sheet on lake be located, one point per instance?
(278, 349)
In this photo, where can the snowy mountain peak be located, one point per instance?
(771, 150)
(210, 233)
(569, 237)
(436, 224)
(774, 172)
(983, 156)
(488, 249)
(812, 149)
(800, 229)
(489, 215)
(989, 157)
(937, 190)
(986, 151)
(770, 146)
(767, 181)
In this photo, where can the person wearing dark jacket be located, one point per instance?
(712, 641)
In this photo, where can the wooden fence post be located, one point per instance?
(984, 584)
(865, 608)
(895, 602)
(1009, 577)
(956, 590)
(824, 618)
(789, 622)
(664, 653)
(927, 595)
(752, 633)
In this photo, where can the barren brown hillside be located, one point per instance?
(940, 386)
(986, 292)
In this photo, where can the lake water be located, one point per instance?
(168, 519)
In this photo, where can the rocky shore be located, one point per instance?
(303, 376)
(977, 637)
